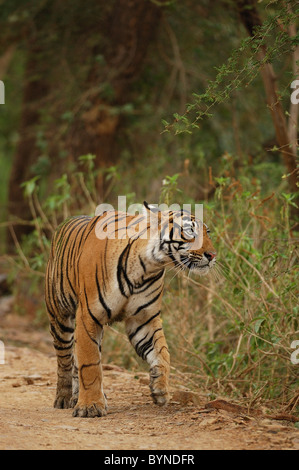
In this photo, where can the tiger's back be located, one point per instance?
(61, 296)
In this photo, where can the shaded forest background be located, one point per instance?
(164, 101)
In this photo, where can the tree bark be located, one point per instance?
(35, 89)
(251, 19)
(5, 59)
(123, 42)
(131, 29)
(294, 107)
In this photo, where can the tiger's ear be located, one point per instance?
(151, 209)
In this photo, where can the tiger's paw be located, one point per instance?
(73, 401)
(92, 410)
(159, 386)
(62, 401)
(160, 397)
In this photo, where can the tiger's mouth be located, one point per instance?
(198, 265)
(194, 265)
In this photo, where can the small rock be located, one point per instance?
(6, 303)
(31, 378)
(144, 381)
(16, 384)
(184, 397)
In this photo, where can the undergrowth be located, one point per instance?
(230, 333)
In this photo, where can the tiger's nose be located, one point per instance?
(211, 255)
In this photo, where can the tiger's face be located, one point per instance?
(183, 241)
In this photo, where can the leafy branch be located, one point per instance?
(238, 72)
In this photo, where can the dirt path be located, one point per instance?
(28, 420)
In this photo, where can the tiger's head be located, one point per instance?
(181, 240)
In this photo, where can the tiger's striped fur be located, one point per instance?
(91, 282)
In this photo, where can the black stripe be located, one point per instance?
(147, 352)
(70, 224)
(121, 271)
(74, 246)
(101, 299)
(141, 326)
(62, 348)
(153, 291)
(148, 344)
(90, 313)
(142, 264)
(58, 338)
(88, 334)
(63, 356)
(85, 366)
(148, 303)
(64, 328)
(63, 298)
(149, 282)
(78, 253)
(92, 225)
(73, 302)
(105, 257)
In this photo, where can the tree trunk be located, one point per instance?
(131, 29)
(35, 89)
(124, 43)
(279, 121)
(250, 17)
(294, 107)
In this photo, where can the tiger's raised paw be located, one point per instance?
(158, 386)
(160, 397)
(90, 411)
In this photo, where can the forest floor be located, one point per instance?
(29, 421)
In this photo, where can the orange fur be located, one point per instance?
(94, 281)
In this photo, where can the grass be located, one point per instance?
(230, 333)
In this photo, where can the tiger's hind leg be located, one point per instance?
(91, 401)
(62, 331)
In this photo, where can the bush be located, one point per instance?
(229, 333)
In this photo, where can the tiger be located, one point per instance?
(94, 279)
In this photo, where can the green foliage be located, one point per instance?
(229, 333)
(238, 72)
(170, 189)
(236, 327)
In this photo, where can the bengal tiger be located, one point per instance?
(94, 279)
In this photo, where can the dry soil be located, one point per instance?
(29, 421)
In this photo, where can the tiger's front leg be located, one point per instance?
(88, 336)
(146, 335)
